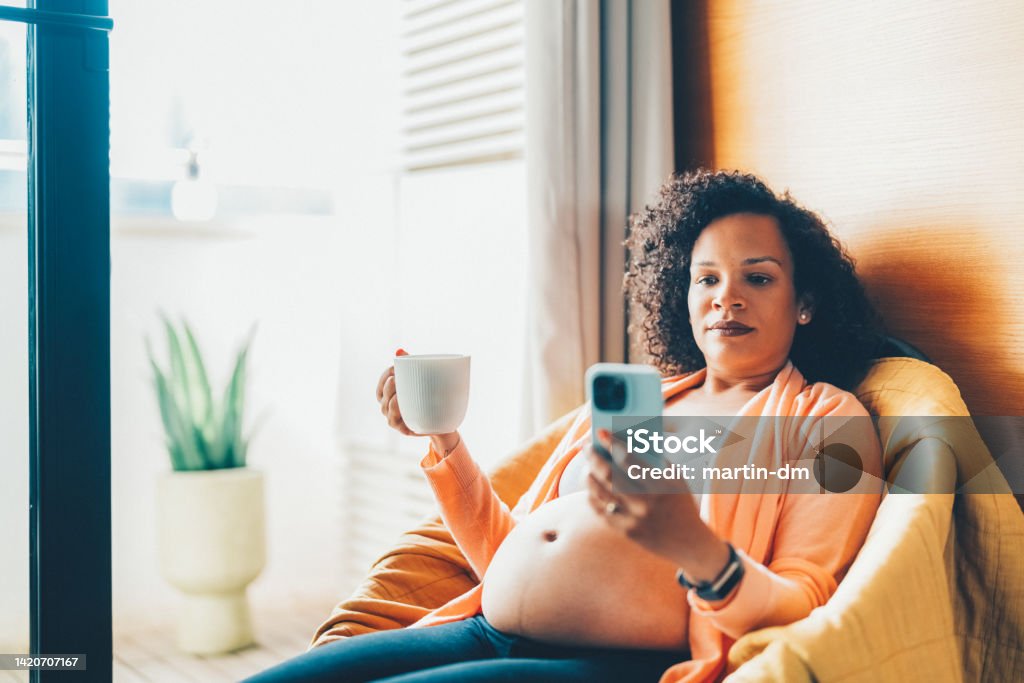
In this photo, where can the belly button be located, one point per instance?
(550, 535)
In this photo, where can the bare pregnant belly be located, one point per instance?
(564, 576)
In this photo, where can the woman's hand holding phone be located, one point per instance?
(667, 524)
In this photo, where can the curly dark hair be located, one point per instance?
(838, 343)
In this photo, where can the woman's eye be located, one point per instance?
(759, 279)
(707, 280)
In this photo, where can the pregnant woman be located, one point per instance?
(750, 308)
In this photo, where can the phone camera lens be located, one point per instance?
(609, 393)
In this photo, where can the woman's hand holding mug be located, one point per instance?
(387, 396)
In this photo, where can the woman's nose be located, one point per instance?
(728, 298)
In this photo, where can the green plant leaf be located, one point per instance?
(167, 407)
(179, 374)
(234, 408)
(200, 383)
(168, 418)
(175, 415)
(202, 447)
(182, 447)
(202, 433)
(177, 458)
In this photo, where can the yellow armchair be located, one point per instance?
(935, 594)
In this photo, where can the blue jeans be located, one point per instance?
(464, 651)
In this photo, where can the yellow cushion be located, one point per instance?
(915, 401)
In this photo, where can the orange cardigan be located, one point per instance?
(795, 548)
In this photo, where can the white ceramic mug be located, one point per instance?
(433, 391)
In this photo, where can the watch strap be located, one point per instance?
(719, 587)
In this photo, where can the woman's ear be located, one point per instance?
(805, 309)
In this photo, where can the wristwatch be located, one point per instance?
(719, 587)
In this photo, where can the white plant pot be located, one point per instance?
(212, 541)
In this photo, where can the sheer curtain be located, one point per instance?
(599, 143)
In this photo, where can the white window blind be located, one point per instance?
(462, 82)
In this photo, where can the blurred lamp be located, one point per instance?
(193, 199)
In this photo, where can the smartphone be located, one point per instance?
(623, 396)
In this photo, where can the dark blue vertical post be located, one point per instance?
(69, 337)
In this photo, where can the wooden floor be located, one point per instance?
(149, 653)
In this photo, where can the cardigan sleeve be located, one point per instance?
(477, 518)
(817, 537)
(426, 569)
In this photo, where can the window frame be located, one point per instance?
(70, 585)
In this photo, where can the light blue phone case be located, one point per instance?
(643, 400)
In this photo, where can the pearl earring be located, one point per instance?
(803, 317)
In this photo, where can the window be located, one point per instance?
(14, 395)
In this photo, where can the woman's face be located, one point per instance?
(742, 301)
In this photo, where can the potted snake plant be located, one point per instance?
(211, 520)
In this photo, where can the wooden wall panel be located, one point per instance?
(903, 123)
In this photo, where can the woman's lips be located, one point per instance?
(730, 328)
(731, 331)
